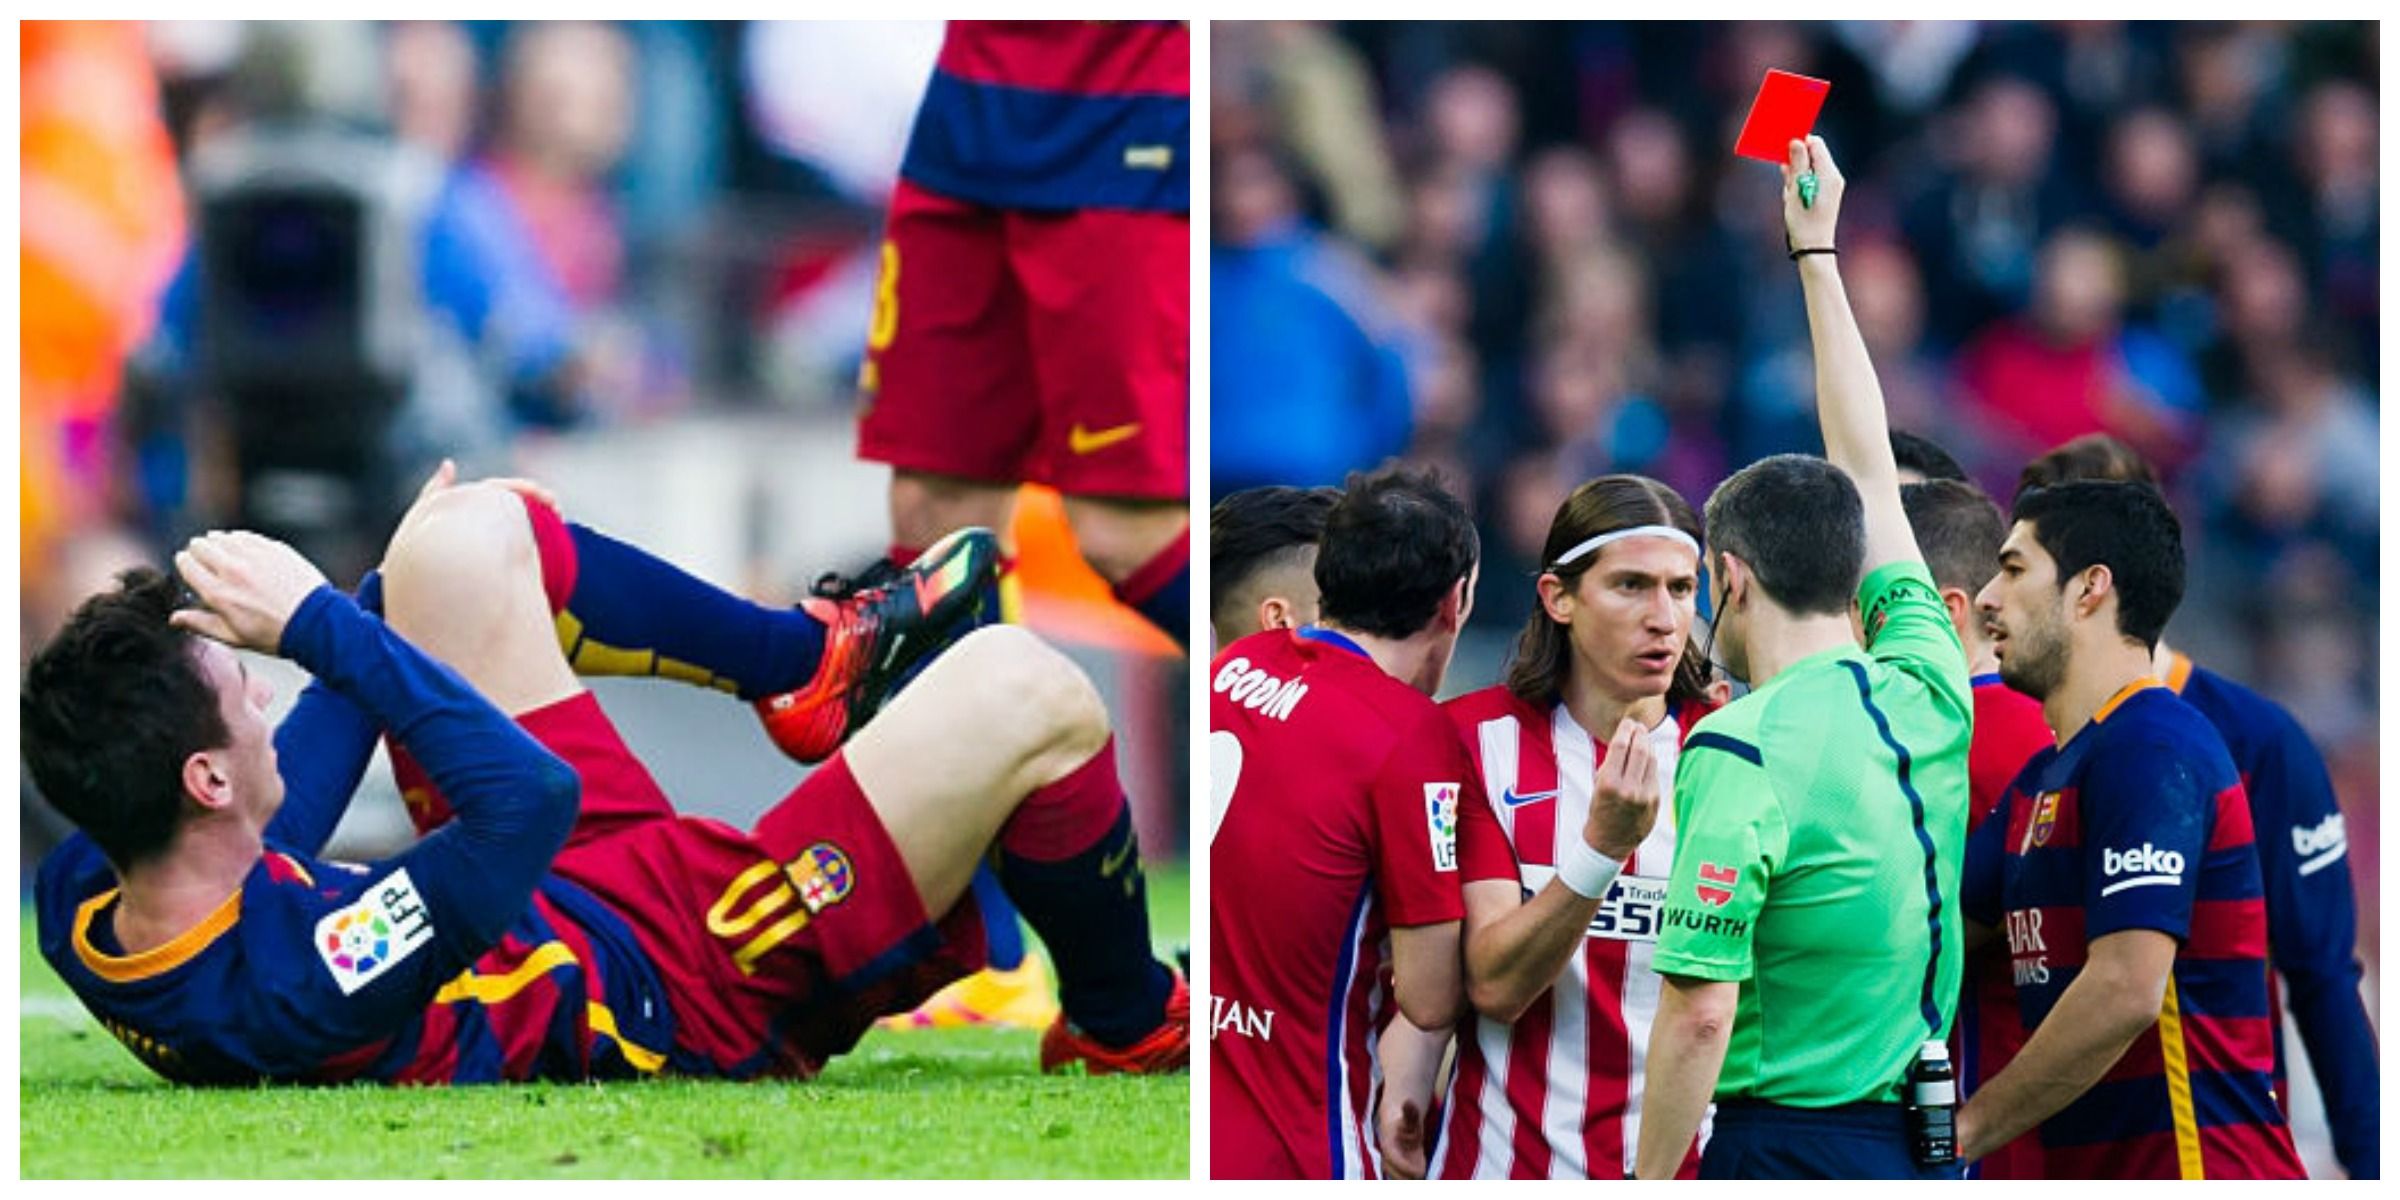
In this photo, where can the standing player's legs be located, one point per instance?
(1039, 779)
(947, 390)
(948, 402)
(1108, 315)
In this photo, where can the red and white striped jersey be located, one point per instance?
(1558, 1093)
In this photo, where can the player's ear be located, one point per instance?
(2095, 584)
(1275, 612)
(206, 780)
(1557, 598)
(1453, 613)
(1961, 608)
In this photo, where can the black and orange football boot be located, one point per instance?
(880, 630)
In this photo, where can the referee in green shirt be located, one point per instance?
(1811, 942)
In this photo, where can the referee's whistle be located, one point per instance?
(1807, 184)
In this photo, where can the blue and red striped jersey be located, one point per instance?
(1058, 115)
(2140, 822)
(323, 971)
(2312, 910)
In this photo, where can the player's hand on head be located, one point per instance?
(1811, 225)
(1624, 794)
(248, 585)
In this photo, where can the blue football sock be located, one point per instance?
(1003, 933)
(631, 613)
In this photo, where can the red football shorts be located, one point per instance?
(1014, 346)
(778, 947)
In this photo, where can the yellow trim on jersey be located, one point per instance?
(590, 657)
(2180, 672)
(2145, 683)
(496, 989)
(2179, 1086)
(604, 1021)
(157, 960)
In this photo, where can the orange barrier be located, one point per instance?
(1062, 597)
(100, 229)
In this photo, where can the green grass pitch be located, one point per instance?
(936, 1103)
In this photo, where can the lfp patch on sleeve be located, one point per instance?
(1441, 824)
(386, 924)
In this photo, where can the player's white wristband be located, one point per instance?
(1586, 871)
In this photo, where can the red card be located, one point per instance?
(1786, 108)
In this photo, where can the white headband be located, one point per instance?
(1589, 545)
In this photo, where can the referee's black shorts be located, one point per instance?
(1756, 1140)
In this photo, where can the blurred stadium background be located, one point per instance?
(1526, 253)
(273, 272)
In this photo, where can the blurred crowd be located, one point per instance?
(243, 239)
(1526, 252)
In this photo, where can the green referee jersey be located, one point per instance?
(1820, 823)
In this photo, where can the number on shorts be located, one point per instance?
(884, 325)
(765, 905)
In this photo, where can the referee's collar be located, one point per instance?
(1831, 655)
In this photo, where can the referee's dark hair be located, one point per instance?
(110, 711)
(1394, 545)
(1798, 522)
(1257, 529)
(2126, 527)
(1923, 456)
(2092, 456)
(1958, 529)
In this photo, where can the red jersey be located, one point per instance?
(2009, 730)
(1337, 791)
(1557, 1094)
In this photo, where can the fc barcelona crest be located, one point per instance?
(823, 876)
(2045, 819)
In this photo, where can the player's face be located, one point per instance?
(242, 698)
(2024, 614)
(1631, 614)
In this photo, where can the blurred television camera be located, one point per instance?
(312, 327)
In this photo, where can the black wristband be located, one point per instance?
(1797, 254)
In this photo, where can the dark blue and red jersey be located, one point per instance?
(1058, 115)
(2312, 912)
(2009, 731)
(458, 960)
(2139, 822)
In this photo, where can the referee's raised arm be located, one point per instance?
(1849, 399)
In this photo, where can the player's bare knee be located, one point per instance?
(471, 534)
(1035, 695)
